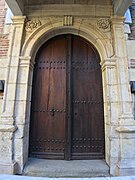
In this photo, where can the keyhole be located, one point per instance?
(53, 111)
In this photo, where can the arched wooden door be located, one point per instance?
(67, 119)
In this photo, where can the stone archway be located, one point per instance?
(45, 32)
(99, 40)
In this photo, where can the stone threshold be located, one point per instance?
(66, 169)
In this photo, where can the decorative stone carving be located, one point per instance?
(103, 24)
(67, 21)
(32, 24)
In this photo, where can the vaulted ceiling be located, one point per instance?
(18, 6)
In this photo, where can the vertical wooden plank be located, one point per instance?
(68, 99)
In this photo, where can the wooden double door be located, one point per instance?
(67, 119)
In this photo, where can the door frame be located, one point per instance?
(99, 40)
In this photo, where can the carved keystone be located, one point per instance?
(67, 21)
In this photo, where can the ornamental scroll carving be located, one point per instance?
(33, 24)
(104, 24)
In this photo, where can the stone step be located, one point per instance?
(62, 168)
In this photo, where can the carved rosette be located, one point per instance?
(104, 24)
(33, 24)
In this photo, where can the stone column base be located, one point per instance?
(8, 168)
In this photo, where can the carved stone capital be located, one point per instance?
(117, 20)
(18, 20)
(26, 61)
(108, 63)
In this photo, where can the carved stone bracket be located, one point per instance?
(32, 24)
(104, 24)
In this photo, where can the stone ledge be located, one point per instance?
(122, 129)
(7, 128)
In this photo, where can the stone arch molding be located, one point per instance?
(91, 33)
(51, 29)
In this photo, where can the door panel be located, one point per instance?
(49, 101)
(87, 122)
(67, 101)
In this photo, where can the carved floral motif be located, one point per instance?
(104, 24)
(32, 24)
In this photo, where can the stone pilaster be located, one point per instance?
(8, 125)
(111, 111)
(22, 111)
(126, 125)
(122, 70)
